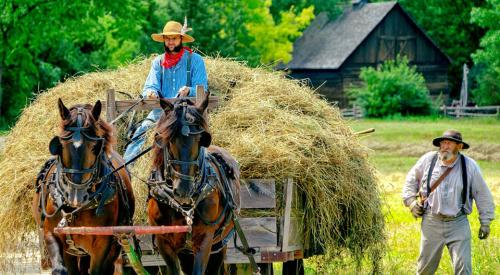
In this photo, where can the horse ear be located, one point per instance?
(166, 105)
(63, 111)
(96, 110)
(206, 139)
(55, 146)
(203, 103)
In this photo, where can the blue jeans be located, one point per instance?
(134, 148)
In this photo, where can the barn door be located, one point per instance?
(391, 46)
(386, 48)
(405, 46)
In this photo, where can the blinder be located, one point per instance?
(187, 128)
(78, 133)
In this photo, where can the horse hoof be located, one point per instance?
(60, 271)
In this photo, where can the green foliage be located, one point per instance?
(394, 88)
(242, 29)
(44, 41)
(332, 7)
(448, 24)
(487, 59)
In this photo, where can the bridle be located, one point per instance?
(187, 129)
(79, 133)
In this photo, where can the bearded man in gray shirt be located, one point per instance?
(440, 189)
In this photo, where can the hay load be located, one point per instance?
(276, 128)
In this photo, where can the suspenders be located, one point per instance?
(464, 176)
(188, 73)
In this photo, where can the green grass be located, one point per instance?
(397, 144)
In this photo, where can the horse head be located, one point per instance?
(182, 135)
(83, 139)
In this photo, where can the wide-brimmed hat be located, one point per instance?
(450, 135)
(173, 28)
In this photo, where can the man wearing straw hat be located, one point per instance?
(175, 73)
(440, 189)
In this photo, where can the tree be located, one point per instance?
(448, 24)
(46, 40)
(243, 29)
(487, 59)
(393, 89)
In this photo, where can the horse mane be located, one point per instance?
(169, 126)
(100, 127)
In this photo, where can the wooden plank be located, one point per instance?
(110, 107)
(200, 92)
(295, 239)
(149, 104)
(234, 256)
(286, 216)
(260, 232)
(251, 197)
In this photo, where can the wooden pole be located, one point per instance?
(110, 105)
(286, 215)
(113, 230)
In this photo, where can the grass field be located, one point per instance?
(397, 144)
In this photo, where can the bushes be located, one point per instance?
(394, 88)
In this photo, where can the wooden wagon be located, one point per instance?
(275, 235)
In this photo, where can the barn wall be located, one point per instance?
(396, 34)
(328, 81)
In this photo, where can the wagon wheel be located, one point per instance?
(295, 267)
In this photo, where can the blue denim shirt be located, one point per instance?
(175, 77)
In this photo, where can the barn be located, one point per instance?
(331, 53)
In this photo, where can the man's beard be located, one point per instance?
(447, 155)
(176, 49)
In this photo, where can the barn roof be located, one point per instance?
(327, 44)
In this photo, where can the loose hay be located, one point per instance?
(276, 128)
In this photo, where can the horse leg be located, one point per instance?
(103, 256)
(84, 265)
(186, 260)
(71, 263)
(169, 256)
(54, 248)
(202, 254)
(216, 263)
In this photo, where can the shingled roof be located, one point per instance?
(327, 44)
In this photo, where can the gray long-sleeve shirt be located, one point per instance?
(447, 198)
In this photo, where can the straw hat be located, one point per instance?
(450, 135)
(174, 28)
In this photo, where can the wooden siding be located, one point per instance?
(396, 34)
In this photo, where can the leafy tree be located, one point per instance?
(394, 88)
(44, 41)
(243, 29)
(332, 7)
(448, 24)
(487, 59)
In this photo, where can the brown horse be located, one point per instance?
(195, 184)
(77, 188)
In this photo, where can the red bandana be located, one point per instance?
(171, 59)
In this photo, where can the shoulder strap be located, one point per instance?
(188, 70)
(440, 179)
(161, 76)
(429, 174)
(464, 179)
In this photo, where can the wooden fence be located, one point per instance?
(355, 112)
(483, 111)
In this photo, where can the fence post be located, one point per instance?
(110, 105)
(444, 110)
